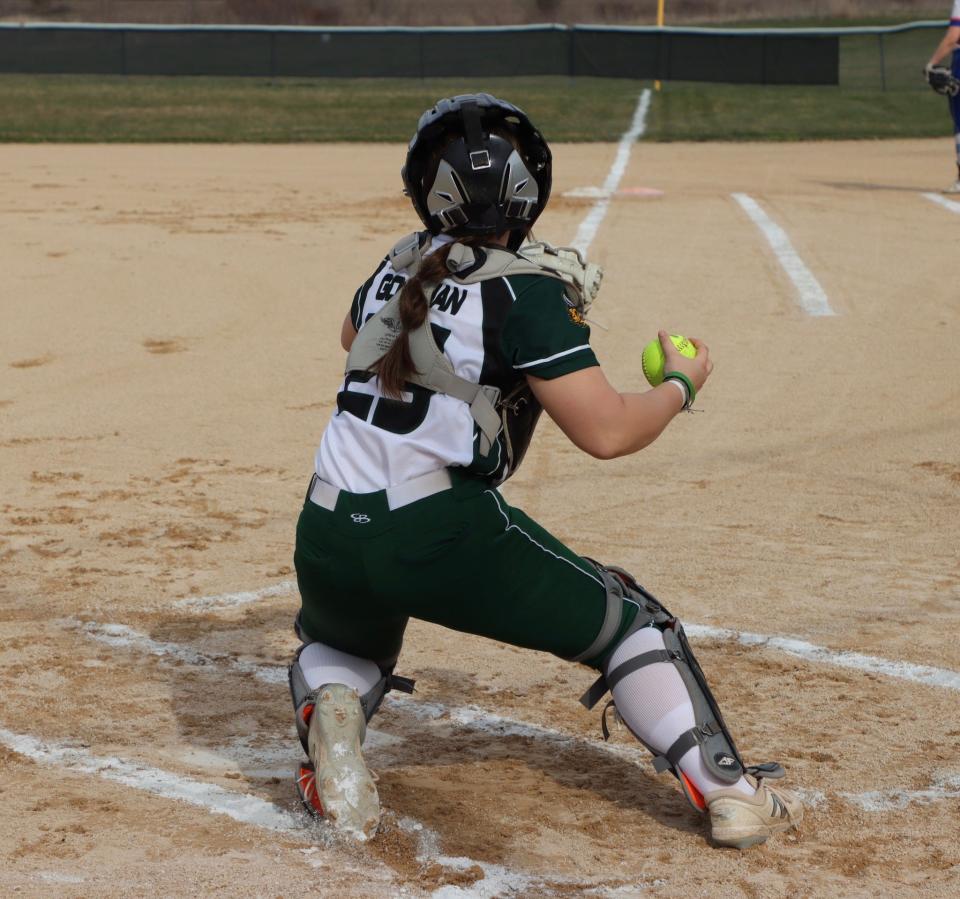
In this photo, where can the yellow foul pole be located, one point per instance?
(660, 5)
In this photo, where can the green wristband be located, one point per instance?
(680, 376)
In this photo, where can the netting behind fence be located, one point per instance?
(887, 60)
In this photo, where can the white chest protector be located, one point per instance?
(434, 371)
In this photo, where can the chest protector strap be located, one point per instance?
(467, 265)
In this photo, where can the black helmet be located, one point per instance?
(477, 166)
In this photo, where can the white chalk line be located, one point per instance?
(248, 809)
(920, 674)
(944, 786)
(813, 298)
(242, 807)
(123, 637)
(476, 718)
(497, 880)
(951, 205)
(229, 600)
(591, 223)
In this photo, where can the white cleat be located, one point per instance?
(953, 188)
(337, 785)
(740, 821)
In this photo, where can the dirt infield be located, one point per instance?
(169, 356)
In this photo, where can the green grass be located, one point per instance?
(148, 109)
(124, 109)
(749, 112)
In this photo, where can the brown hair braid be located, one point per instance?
(395, 367)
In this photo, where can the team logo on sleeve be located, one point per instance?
(576, 316)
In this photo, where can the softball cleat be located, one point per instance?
(740, 821)
(953, 188)
(336, 784)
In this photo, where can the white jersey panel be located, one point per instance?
(357, 455)
(955, 15)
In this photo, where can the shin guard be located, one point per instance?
(305, 699)
(710, 733)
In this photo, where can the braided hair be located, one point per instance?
(396, 366)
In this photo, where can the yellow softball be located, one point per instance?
(653, 358)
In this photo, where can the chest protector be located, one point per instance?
(515, 415)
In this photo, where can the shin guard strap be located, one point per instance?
(670, 760)
(371, 700)
(609, 681)
(638, 662)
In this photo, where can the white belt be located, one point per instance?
(325, 495)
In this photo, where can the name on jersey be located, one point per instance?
(389, 286)
(448, 298)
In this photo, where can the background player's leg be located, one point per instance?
(955, 114)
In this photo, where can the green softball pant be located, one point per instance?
(461, 558)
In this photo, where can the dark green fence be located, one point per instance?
(860, 58)
(581, 50)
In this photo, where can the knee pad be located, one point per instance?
(305, 699)
(710, 733)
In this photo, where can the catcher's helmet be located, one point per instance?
(477, 166)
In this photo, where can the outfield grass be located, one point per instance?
(155, 109)
(750, 112)
(117, 108)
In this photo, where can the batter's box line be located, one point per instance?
(927, 675)
(950, 205)
(252, 810)
(811, 652)
(243, 807)
(944, 786)
(120, 636)
(222, 601)
(810, 293)
(246, 808)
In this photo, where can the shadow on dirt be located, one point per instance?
(235, 711)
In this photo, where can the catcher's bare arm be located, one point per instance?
(607, 424)
(347, 333)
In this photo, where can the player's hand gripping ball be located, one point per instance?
(653, 358)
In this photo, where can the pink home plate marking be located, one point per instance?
(643, 192)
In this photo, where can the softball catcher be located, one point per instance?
(946, 79)
(462, 336)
